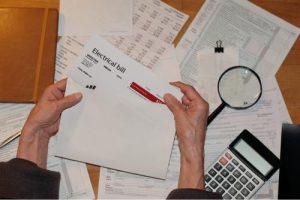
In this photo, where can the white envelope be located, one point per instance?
(115, 125)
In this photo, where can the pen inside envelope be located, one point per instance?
(145, 93)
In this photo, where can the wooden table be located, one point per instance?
(288, 76)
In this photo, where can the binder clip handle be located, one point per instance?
(219, 48)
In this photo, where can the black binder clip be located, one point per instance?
(219, 48)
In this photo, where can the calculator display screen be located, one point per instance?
(253, 157)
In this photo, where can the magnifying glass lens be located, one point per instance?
(239, 87)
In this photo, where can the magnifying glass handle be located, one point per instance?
(213, 115)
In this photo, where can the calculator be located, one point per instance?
(242, 168)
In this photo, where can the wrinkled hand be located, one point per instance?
(45, 116)
(190, 120)
(43, 122)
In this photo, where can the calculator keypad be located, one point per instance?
(231, 178)
(224, 172)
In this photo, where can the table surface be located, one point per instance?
(288, 75)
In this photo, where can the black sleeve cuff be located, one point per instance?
(193, 194)
(24, 179)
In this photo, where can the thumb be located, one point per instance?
(69, 101)
(174, 105)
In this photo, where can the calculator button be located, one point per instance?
(239, 196)
(220, 190)
(242, 168)
(228, 156)
(238, 186)
(249, 174)
(208, 189)
(250, 186)
(243, 179)
(227, 196)
(237, 174)
(207, 178)
(213, 184)
(219, 179)
(218, 167)
(212, 172)
(245, 192)
(230, 167)
(224, 172)
(232, 191)
(235, 162)
(223, 161)
(226, 185)
(255, 181)
(231, 179)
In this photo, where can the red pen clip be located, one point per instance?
(145, 93)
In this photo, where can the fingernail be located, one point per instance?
(166, 97)
(78, 95)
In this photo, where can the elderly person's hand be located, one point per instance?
(190, 121)
(43, 122)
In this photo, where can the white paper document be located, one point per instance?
(121, 122)
(211, 65)
(115, 184)
(69, 48)
(156, 25)
(265, 117)
(67, 51)
(104, 17)
(12, 118)
(167, 68)
(263, 39)
(75, 181)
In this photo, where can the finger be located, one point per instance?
(188, 90)
(185, 101)
(55, 91)
(61, 85)
(69, 101)
(56, 94)
(174, 105)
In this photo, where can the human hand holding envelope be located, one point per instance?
(121, 122)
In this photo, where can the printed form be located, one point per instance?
(12, 118)
(155, 26)
(263, 39)
(266, 125)
(124, 93)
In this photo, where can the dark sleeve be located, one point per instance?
(23, 179)
(193, 194)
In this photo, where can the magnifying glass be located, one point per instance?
(239, 87)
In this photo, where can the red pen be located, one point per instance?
(145, 93)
